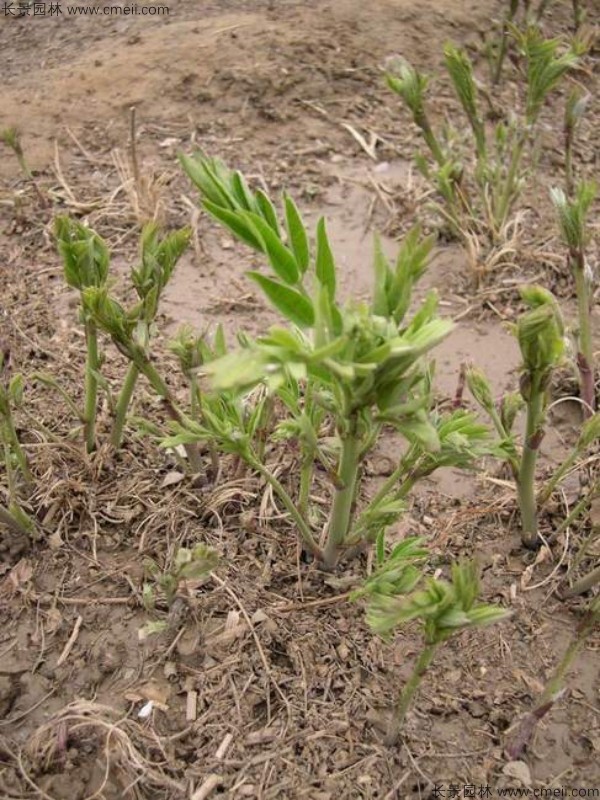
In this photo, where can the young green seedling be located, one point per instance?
(357, 365)
(157, 262)
(498, 173)
(15, 460)
(503, 420)
(540, 334)
(12, 138)
(188, 565)
(572, 219)
(574, 110)
(86, 262)
(442, 607)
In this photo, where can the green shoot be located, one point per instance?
(358, 365)
(86, 263)
(540, 334)
(193, 564)
(158, 260)
(574, 110)
(12, 138)
(15, 459)
(443, 608)
(554, 689)
(572, 220)
(497, 172)
(460, 71)
(411, 84)
(507, 22)
(522, 462)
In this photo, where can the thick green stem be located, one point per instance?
(422, 122)
(552, 692)
(408, 692)
(341, 510)
(123, 404)
(91, 385)
(585, 356)
(526, 483)
(290, 507)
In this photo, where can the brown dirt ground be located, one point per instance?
(289, 682)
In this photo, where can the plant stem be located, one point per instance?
(503, 47)
(291, 508)
(559, 474)
(14, 512)
(408, 692)
(526, 483)
(306, 472)
(584, 584)
(123, 404)
(553, 690)
(341, 510)
(10, 520)
(14, 446)
(508, 195)
(91, 385)
(422, 121)
(585, 356)
(147, 368)
(569, 160)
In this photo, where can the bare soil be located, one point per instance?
(267, 682)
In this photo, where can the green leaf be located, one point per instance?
(281, 259)
(291, 303)
(236, 224)
(325, 265)
(241, 191)
(268, 211)
(382, 280)
(202, 171)
(487, 615)
(298, 237)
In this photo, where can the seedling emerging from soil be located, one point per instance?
(358, 366)
(86, 262)
(193, 564)
(442, 607)
(86, 269)
(158, 260)
(15, 461)
(540, 333)
(12, 138)
(555, 688)
(572, 220)
(541, 339)
(479, 194)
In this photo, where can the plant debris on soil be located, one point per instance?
(264, 680)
